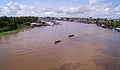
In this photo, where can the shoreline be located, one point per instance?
(14, 31)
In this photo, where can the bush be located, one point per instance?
(39, 21)
(1, 30)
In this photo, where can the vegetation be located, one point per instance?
(110, 25)
(44, 23)
(14, 24)
(41, 22)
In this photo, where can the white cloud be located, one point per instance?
(37, 3)
(92, 1)
(90, 10)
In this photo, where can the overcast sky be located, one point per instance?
(61, 8)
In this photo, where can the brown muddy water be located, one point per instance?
(92, 48)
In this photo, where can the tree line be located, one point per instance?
(14, 23)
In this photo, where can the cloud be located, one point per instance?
(90, 10)
(92, 1)
(37, 3)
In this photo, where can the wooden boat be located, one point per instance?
(71, 35)
(57, 41)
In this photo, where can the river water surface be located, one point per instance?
(92, 48)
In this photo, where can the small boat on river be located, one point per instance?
(71, 35)
(57, 41)
(117, 29)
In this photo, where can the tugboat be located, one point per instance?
(57, 41)
(71, 35)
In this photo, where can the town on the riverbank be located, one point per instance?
(15, 24)
(104, 22)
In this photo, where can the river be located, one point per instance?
(92, 48)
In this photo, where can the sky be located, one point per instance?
(61, 8)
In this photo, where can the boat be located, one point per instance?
(71, 35)
(39, 24)
(32, 24)
(117, 29)
(104, 26)
(57, 41)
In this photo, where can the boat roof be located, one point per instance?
(117, 28)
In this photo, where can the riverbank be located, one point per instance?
(10, 25)
(103, 22)
(14, 31)
(108, 25)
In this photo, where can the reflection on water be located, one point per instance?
(92, 48)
